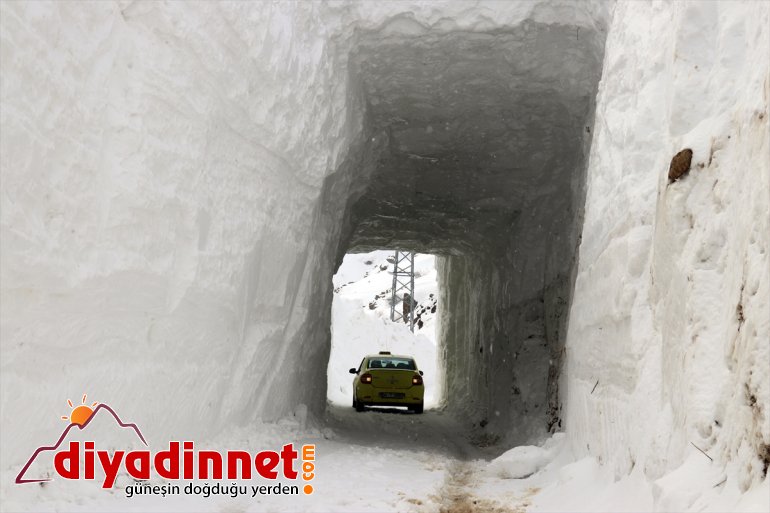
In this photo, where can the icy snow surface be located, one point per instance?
(178, 188)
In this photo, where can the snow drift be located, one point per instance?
(180, 182)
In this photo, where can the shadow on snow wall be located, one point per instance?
(473, 147)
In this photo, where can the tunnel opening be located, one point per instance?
(473, 147)
(368, 319)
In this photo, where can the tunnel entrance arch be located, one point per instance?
(474, 148)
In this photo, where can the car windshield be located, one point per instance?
(392, 363)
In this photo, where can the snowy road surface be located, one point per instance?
(390, 460)
(399, 429)
(378, 460)
(432, 463)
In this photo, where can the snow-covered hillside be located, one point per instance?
(180, 181)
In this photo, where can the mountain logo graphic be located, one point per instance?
(79, 417)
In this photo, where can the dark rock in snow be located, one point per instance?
(680, 165)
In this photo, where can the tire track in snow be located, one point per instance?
(458, 493)
(447, 446)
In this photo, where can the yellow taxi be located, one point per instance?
(385, 379)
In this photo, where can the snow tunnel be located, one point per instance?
(180, 182)
(474, 149)
(190, 236)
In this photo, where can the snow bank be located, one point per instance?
(669, 331)
(525, 460)
(160, 183)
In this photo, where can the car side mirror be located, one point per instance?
(420, 372)
(353, 371)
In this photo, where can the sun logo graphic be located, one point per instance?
(80, 414)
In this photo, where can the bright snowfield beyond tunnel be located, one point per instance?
(361, 322)
(178, 188)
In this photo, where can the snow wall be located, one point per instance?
(180, 181)
(671, 308)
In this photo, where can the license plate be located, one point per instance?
(391, 395)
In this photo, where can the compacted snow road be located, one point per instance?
(378, 460)
(402, 461)
(394, 428)
(433, 443)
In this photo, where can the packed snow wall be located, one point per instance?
(669, 332)
(165, 243)
(181, 180)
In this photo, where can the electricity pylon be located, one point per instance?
(403, 288)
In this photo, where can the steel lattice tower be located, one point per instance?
(403, 282)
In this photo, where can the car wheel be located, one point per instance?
(357, 405)
(417, 408)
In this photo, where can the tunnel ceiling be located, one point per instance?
(482, 131)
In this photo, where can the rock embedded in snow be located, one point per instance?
(680, 164)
